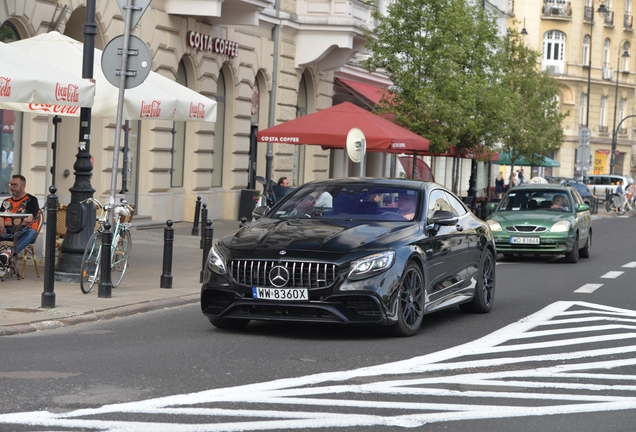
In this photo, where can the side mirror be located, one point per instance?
(582, 207)
(491, 206)
(258, 212)
(444, 218)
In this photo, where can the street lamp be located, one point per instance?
(615, 129)
(601, 10)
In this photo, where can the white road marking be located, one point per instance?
(630, 264)
(540, 374)
(612, 275)
(588, 288)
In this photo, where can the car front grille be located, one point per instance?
(301, 274)
(526, 228)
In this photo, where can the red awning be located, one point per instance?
(371, 92)
(329, 128)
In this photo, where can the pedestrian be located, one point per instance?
(619, 196)
(499, 185)
(18, 202)
(283, 182)
(521, 177)
(512, 183)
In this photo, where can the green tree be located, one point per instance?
(443, 57)
(533, 125)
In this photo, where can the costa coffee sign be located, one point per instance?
(216, 45)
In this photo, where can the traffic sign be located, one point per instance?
(138, 7)
(138, 65)
(585, 133)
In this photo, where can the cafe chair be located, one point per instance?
(29, 252)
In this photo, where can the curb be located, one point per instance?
(99, 315)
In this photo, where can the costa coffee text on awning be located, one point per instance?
(208, 43)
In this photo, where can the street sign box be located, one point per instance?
(138, 66)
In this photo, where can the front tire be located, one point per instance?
(484, 296)
(410, 302)
(89, 271)
(585, 252)
(572, 257)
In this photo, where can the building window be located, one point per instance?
(603, 114)
(625, 60)
(606, 53)
(178, 139)
(553, 49)
(583, 110)
(621, 115)
(219, 132)
(586, 50)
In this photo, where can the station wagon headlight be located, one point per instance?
(216, 263)
(494, 225)
(371, 265)
(561, 226)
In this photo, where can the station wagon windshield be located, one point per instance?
(536, 200)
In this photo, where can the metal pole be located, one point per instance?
(197, 209)
(589, 71)
(80, 227)
(615, 128)
(207, 245)
(105, 287)
(120, 107)
(168, 243)
(204, 218)
(269, 156)
(48, 295)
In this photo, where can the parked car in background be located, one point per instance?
(588, 197)
(542, 219)
(599, 183)
(356, 251)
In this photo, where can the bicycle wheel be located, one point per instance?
(119, 260)
(89, 272)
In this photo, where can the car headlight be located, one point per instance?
(494, 225)
(216, 262)
(561, 226)
(371, 265)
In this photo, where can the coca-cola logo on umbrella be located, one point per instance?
(69, 93)
(197, 110)
(5, 88)
(150, 110)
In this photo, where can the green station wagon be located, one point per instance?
(542, 219)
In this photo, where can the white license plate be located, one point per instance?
(524, 240)
(280, 293)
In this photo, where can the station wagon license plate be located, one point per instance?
(524, 240)
(280, 293)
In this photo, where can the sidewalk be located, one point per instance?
(140, 291)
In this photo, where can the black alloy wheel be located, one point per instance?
(484, 297)
(410, 307)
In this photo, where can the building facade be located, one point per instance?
(587, 46)
(263, 61)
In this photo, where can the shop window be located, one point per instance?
(178, 139)
(219, 132)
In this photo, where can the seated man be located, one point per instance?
(559, 202)
(18, 202)
(407, 204)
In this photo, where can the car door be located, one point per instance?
(583, 219)
(446, 252)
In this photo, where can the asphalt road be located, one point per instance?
(545, 358)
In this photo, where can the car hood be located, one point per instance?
(535, 217)
(316, 235)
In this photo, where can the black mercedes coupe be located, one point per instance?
(356, 251)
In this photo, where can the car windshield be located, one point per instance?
(351, 202)
(535, 200)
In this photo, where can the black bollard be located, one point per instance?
(48, 295)
(207, 245)
(204, 218)
(168, 243)
(105, 286)
(197, 208)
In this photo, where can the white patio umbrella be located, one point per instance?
(30, 84)
(157, 98)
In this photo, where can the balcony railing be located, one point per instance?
(557, 9)
(628, 21)
(622, 131)
(609, 18)
(588, 14)
(602, 129)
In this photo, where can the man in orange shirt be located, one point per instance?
(18, 202)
